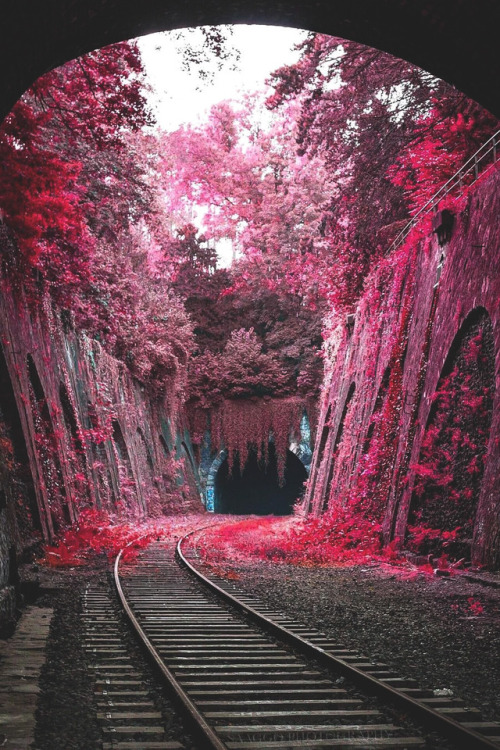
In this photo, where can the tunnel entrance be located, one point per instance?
(256, 489)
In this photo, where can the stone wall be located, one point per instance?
(387, 364)
(77, 431)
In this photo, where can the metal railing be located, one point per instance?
(475, 165)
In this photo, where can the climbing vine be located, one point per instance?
(451, 463)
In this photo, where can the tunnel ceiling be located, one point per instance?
(454, 39)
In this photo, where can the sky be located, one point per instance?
(178, 96)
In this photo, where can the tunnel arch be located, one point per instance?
(336, 446)
(256, 488)
(453, 40)
(450, 466)
(47, 450)
(210, 497)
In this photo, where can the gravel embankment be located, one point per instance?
(426, 628)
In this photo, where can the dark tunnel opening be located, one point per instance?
(256, 490)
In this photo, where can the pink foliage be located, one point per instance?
(97, 533)
(450, 466)
(339, 540)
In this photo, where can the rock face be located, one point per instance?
(425, 341)
(77, 431)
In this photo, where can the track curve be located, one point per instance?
(248, 679)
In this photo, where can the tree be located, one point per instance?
(444, 139)
(368, 115)
(48, 169)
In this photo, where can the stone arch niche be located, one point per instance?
(163, 443)
(377, 410)
(318, 459)
(450, 467)
(256, 488)
(76, 456)
(336, 447)
(149, 482)
(187, 476)
(105, 480)
(17, 489)
(47, 451)
(128, 487)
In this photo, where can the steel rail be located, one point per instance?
(212, 742)
(464, 737)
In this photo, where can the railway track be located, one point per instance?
(249, 678)
(127, 715)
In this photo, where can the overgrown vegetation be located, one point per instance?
(99, 208)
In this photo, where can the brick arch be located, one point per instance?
(453, 39)
(450, 466)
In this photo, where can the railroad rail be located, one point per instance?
(250, 678)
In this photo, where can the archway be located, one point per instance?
(149, 482)
(188, 476)
(76, 454)
(47, 450)
(450, 467)
(374, 425)
(336, 446)
(256, 488)
(128, 489)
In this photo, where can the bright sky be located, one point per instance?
(178, 96)
(175, 98)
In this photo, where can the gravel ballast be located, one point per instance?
(428, 628)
